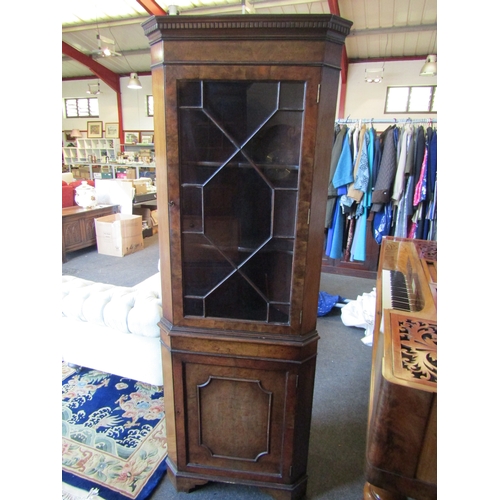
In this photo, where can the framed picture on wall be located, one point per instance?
(131, 137)
(147, 137)
(112, 131)
(94, 130)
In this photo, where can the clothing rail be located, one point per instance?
(385, 120)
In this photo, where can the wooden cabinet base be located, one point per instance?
(185, 482)
(238, 410)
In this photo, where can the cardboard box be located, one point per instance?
(141, 186)
(154, 217)
(131, 173)
(144, 213)
(154, 220)
(119, 234)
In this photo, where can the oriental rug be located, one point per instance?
(113, 434)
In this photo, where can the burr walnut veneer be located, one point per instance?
(244, 117)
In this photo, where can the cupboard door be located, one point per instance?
(239, 158)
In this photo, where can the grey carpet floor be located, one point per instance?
(341, 393)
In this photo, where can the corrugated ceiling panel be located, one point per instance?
(410, 43)
(400, 16)
(372, 14)
(98, 11)
(387, 13)
(381, 15)
(429, 12)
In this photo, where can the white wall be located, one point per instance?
(363, 100)
(367, 100)
(133, 104)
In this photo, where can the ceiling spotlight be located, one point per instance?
(94, 88)
(134, 82)
(430, 66)
(374, 75)
(105, 47)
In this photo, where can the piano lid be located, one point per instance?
(408, 278)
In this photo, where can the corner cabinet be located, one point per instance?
(244, 118)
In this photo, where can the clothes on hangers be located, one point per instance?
(338, 141)
(393, 175)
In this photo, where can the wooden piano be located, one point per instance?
(401, 449)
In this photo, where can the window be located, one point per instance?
(82, 107)
(420, 99)
(149, 103)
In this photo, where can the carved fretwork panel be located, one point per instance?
(415, 351)
(235, 416)
(234, 407)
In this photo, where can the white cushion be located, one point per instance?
(130, 310)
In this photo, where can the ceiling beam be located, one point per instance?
(107, 76)
(125, 53)
(152, 8)
(391, 30)
(334, 7)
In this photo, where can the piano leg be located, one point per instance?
(371, 492)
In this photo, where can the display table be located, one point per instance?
(78, 229)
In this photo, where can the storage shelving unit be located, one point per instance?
(98, 157)
(87, 148)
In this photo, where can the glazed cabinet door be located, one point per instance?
(238, 191)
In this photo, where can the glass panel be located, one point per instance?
(397, 99)
(285, 207)
(238, 211)
(239, 170)
(240, 108)
(193, 307)
(292, 95)
(420, 99)
(278, 142)
(203, 267)
(279, 313)
(189, 94)
(204, 148)
(237, 299)
(269, 270)
(192, 217)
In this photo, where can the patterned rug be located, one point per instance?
(113, 434)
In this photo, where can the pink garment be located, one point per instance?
(420, 188)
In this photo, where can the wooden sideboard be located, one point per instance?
(78, 227)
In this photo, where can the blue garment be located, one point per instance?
(358, 249)
(382, 222)
(326, 302)
(344, 172)
(337, 232)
